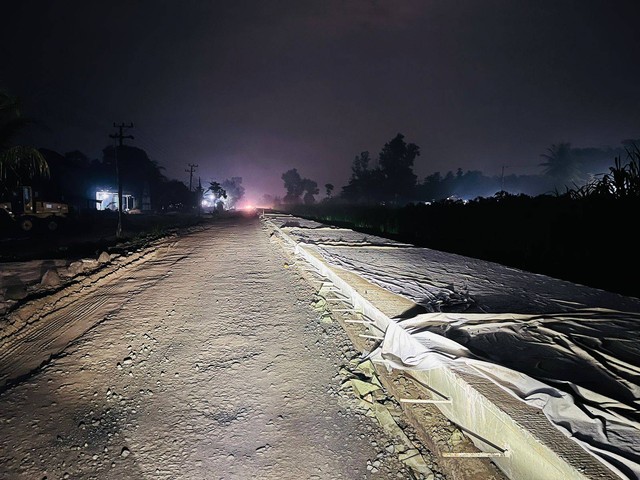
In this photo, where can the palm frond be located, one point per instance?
(23, 162)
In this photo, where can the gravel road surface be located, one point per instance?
(209, 363)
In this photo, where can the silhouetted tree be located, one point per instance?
(448, 182)
(396, 163)
(365, 183)
(311, 189)
(140, 175)
(234, 189)
(294, 186)
(360, 166)
(431, 188)
(391, 181)
(216, 189)
(18, 163)
(72, 179)
(328, 189)
(561, 165)
(175, 195)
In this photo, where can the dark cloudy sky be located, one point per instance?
(253, 88)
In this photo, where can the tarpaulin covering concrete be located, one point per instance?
(605, 426)
(564, 348)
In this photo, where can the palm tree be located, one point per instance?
(561, 164)
(216, 189)
(17, 162)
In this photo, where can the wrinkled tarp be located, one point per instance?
(441, 281)
(570, 350)
(607, 428)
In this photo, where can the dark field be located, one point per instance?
(90, 234)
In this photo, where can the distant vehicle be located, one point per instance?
(29, 213)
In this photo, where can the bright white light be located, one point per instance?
(108, 200)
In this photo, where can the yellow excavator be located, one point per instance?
(29, 213)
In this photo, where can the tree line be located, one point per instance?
(389, 178)
(74, 178)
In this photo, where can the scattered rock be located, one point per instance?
(104, 258)
(125, 452)
(75, 268)
(50, 278)
(414, 459)
(456, 438)
(15, 292)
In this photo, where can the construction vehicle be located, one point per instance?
(29, 213)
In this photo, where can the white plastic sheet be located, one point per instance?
(596, 425)
(569, 350)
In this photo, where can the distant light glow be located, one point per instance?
(211, 202)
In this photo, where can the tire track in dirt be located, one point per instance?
(49, 324)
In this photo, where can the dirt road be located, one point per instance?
(206, 361)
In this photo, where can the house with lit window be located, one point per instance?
(107, 199)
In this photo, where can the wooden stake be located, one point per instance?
(373, 337)
(475, 454)
(424, 400)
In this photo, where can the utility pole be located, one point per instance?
(190, 170)
(119, 137)
(200, 192)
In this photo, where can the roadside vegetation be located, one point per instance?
(17, 162)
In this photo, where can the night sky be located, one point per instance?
(253, 88)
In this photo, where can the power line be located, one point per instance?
(120, 135)
(190, 171)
